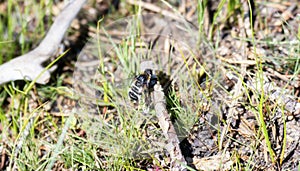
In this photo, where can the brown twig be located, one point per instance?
(177, 159)
(29, 65)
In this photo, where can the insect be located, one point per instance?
(142, 83)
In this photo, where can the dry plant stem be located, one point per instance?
(177, 159)
(231, 61)
(29, 65)
(3, 157)
(277, 74)
(154, 8)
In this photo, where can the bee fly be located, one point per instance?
(142, 83)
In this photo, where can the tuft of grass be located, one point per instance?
(17, 23)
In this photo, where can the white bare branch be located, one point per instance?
(29, 65)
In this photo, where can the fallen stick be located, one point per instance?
(177, 159)
(29, 65)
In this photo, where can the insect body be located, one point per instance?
(142, 83)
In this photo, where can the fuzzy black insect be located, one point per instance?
(142, 83)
